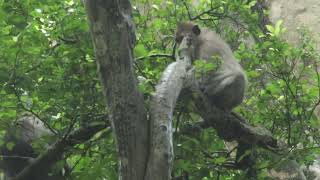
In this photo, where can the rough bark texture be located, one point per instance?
(162, 107)
(113, 36)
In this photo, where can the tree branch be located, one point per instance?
(229, 126)
(54, 153)
(162, 106)
(170, 56)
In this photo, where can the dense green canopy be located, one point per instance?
(48, 69)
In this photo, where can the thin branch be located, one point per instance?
(318, 102)
(170, 56)
(20, 102)
(211, 12)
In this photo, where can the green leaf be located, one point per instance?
(270, 28)
(252, 3)
(10, 145)
(277, 29)
(220, 160)
(140, 51)
(155, 6)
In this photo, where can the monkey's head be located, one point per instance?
(187, 31)
(187, 36)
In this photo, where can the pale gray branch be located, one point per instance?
(162, 106)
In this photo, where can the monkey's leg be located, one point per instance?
(226, 97)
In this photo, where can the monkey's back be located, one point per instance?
(211, 44)
(226, 86)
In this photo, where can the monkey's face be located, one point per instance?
(187, 37)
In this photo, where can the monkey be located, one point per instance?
(224, 87)
(17, 151)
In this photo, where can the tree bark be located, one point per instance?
(113, 37)
(162, 107)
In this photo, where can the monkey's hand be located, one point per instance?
(185, 49)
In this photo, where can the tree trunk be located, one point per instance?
(113, 37)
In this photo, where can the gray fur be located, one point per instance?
(226, 86)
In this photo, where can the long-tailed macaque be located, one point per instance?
(226, 86)
(18, 150)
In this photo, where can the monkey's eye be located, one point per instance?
(179, 39)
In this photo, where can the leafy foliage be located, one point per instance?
(47, 68)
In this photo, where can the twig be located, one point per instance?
(170, 56)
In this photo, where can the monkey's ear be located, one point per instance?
(196, 30)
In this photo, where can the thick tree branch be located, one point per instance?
(54, 153)
(162, 106)
(113, 38)
(229, 126)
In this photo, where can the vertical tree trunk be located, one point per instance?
(113, 36)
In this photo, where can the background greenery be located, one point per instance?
(47, 68)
